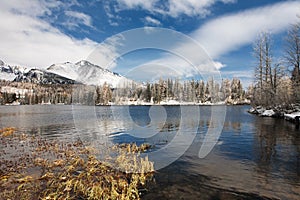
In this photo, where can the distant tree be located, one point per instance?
(9, 97)
(199, 91)
(170, 93)
(147, 93)
(225, 89)
(107, 93)
(236, 89)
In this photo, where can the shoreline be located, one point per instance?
(291, 115)
(143, 104)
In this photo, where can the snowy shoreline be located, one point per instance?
(144, 103)
(292, 115)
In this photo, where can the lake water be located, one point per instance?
(253, 158)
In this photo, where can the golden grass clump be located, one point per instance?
(7, 131)
(49, 169)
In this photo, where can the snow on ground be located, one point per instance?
(292, 115)
(169, 102)
(257, 110)
(165, 102)
(260, 110)
(252, 110)
(15, 103)
(271, 113)
(7, 76)
(268, 113)
(20, 69)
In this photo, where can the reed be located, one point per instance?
(50, 169)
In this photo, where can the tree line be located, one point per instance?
(193, 91)
(277, 83)
(31, 93)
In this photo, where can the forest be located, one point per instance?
(189, 91)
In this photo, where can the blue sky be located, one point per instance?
(40, 33)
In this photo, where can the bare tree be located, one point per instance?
(268, 74)
(259, 55)
(292, 57)
(263, 71)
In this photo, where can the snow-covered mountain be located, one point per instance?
(64, 73)
(43, 77)
(23, 74)
(10, 73)
(88, 73)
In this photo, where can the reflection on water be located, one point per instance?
(255, 158)
(279, 154)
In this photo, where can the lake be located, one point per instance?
(252, 158)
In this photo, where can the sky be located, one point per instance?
(144, 39)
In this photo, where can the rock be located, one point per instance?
(291, 116)
(257, 110)
(253, 111)
(268, 113)
(260, 110)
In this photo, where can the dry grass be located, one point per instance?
(35, 168)
(7, 131)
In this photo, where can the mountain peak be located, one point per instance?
(83, 63)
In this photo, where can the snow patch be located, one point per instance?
(291, 116)
(9, 73)
(257, 110)
(7, 76)
(268, 113)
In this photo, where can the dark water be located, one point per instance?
(253, 158)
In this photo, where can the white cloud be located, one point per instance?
(113, 18)
(21, 7)
(113, 23)
(238, 74)
(77, 18)
(173, 8)
(245, 76)
(131, 4)
(151, 21)
(106, 52)
(228, 33)
(28, 40)
(192, 7)
(177, 52)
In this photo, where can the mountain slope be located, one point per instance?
(23, 74)
(64, 73)
(43, 77)
(10, 73)
(88, 73)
